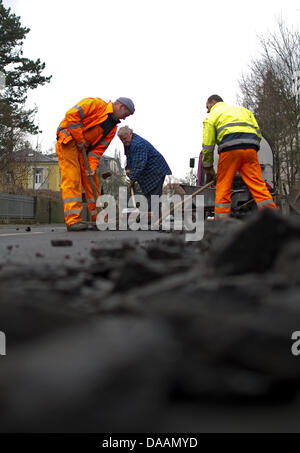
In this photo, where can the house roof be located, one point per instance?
(29, 155)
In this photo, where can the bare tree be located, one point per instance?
(21, 75)
(190, 178)
(267, 90)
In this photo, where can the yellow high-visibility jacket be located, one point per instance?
(230, 127)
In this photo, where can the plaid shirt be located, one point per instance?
(145, 163)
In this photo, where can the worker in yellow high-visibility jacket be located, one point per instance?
(91, 125)
(236, 132)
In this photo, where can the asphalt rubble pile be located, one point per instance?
(148, 338)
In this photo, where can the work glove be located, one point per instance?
(82, 145)
(90, 172)
(131, 184)
(210, 174)
(106, 175)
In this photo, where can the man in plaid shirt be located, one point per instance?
(144, 164)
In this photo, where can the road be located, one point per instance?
(18, 246)
(173, 337)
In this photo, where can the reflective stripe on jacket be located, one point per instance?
(87, 113)
(230, 127)
(92, 136)
(84, 121)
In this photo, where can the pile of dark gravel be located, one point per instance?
(120, 344)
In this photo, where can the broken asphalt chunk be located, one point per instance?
(61, 243)
(255, 247)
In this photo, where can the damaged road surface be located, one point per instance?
(154, 335)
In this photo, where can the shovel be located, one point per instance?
(90, 178)
(127, 211)
(181, 203)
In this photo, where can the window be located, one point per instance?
(9, 178)
(38, 176)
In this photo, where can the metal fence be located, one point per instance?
(17, 206)
(38, 208)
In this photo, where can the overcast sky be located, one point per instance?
(167, 55)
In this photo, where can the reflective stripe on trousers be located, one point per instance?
(72, 199)
(221, 216)
(223, 205)
(265, 203)
(73, 177)
(72, 211)
(222, 210)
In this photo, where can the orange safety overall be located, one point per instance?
(82, 123)
(245, 162)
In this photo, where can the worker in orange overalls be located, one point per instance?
(237, 134)
(91, 125)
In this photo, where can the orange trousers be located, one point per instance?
(73, 178)
(245, 162)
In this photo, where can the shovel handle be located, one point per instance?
(181, 203)
(90, 178)
(133, 197)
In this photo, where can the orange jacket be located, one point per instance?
(82, 122)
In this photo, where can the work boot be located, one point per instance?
(78, 226)
(92, 228)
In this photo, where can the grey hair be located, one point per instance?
(124, 130)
